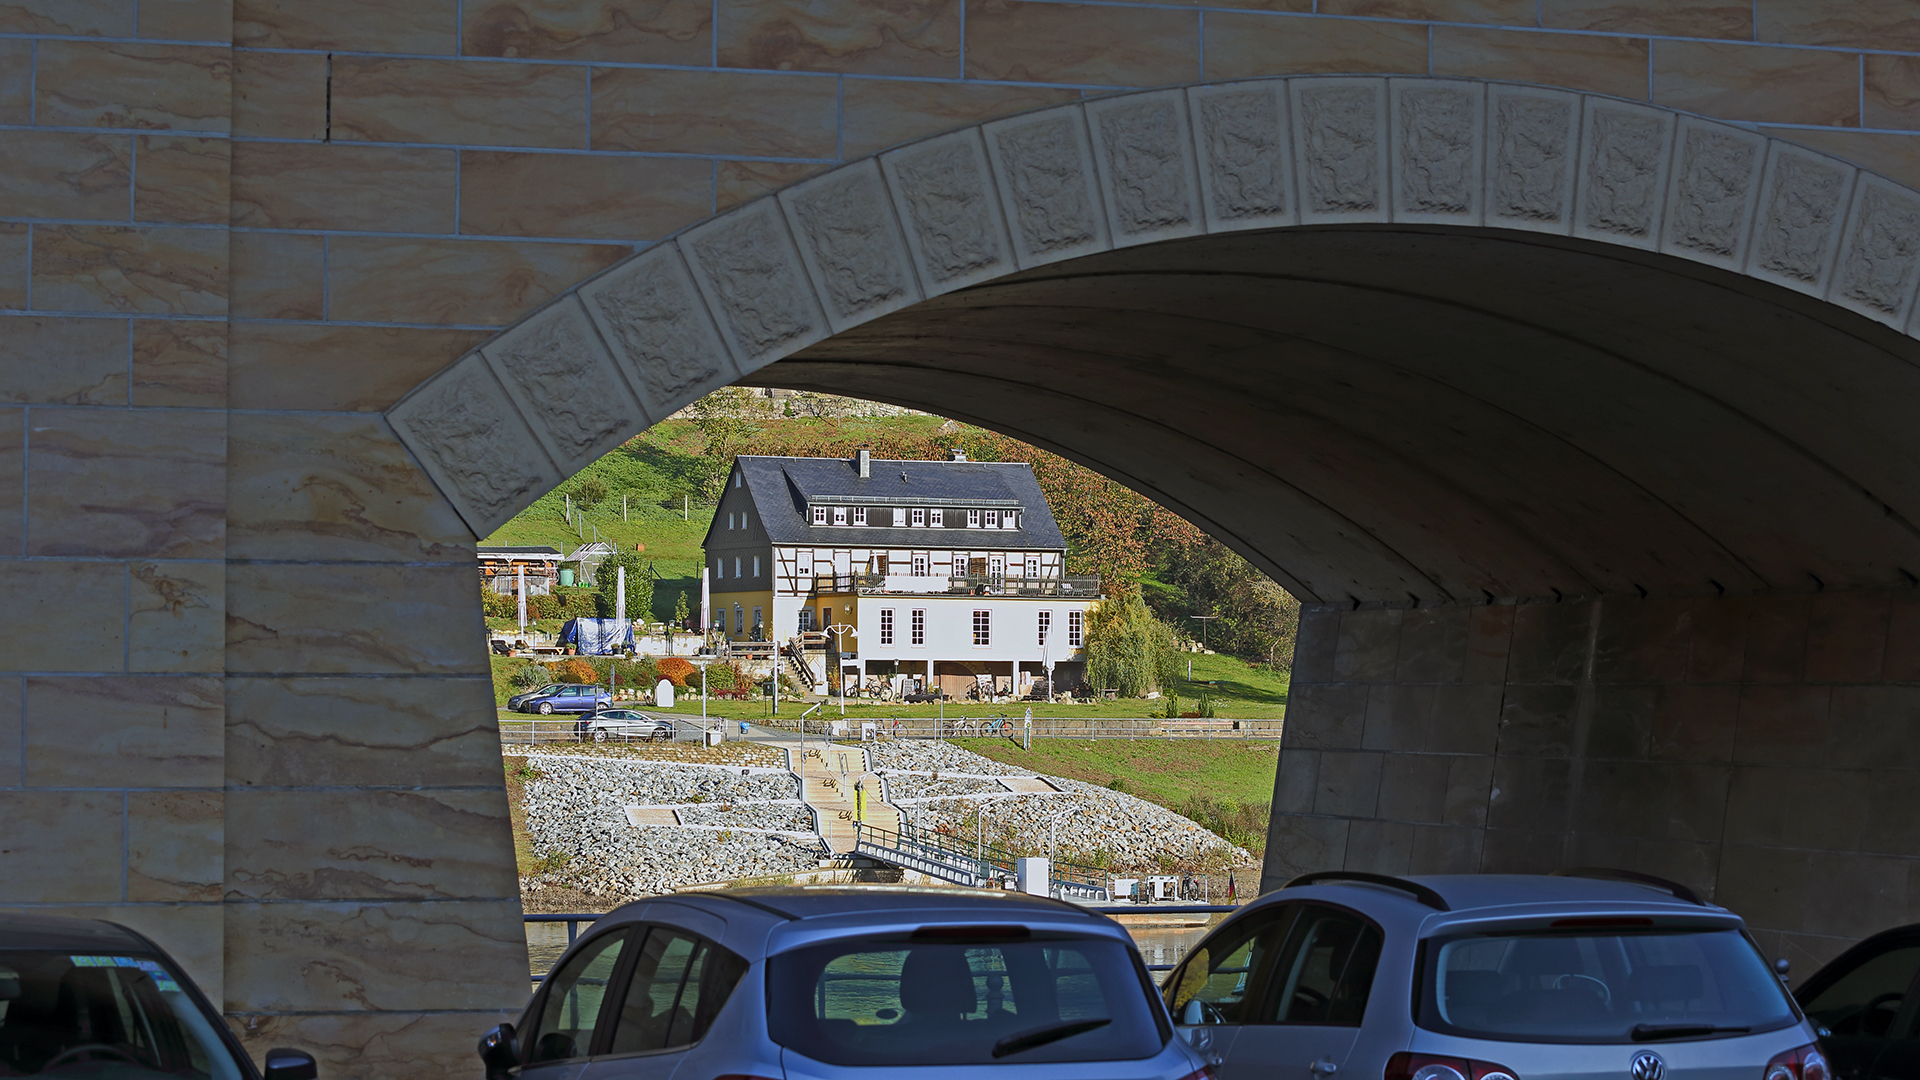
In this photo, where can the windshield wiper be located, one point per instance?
(1653, 1032)
(1041, 1036)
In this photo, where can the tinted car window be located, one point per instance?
(1326, 972)
(575, 994)
(1215, 984)
(1598, 987)
(863, 1002)
(1863, 1001)
(679, 983)
(103, 1016)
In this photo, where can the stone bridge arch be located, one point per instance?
(1581, 426)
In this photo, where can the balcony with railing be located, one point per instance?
(1076, 587)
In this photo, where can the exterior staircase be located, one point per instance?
(828, 785)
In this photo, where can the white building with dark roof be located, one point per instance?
(953, 570)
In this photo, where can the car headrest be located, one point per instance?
(936, 979)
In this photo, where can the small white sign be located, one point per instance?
(663, 694)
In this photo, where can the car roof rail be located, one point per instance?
(1419, 892)
(1633, 877)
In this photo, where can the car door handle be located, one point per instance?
(1323, 1067)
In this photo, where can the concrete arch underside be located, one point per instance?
(1582, 427)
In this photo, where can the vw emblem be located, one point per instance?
(1647, 1066)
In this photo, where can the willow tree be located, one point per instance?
(1128, 650)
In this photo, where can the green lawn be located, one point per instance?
(1165, 771)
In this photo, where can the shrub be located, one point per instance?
(498, 605)
(590, 490)
(1244, 824)
(676, 669)
(1206, 706)
(527, 676)
(574, 671)
(1173, 706)
(725, 676)
(606, 578)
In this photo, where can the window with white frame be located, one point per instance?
(1010, 520)
(736, 566)
(839, 515)
(720, 622)
(729, 519)
(973, 519)
(919, 626)
(886, 626)
(1033, 566)
(983, 627)
(919, 518)
(993, 519)
(739, 621)
(819, 515)
(756, 566)
(738, 478)
(938, 519)
(1046, 624)
(1076, 622)
(805, 559)
(859, 515)
(919, 564)
(758, 622)
(899, 517)
(806, 619)
(719, 568)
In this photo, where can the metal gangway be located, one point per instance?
(948, 859)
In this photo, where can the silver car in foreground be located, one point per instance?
(1587, 975)
(809, 983)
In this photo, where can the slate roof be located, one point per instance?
(782, 486)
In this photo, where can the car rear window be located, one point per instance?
(1600, 987)
(955, 1002)
(104, 1017)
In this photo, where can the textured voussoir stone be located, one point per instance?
(1339, 134)
(943, 190)
(1044, 167)
(1532, 140)
(566, 384)
(1875, 272)
(1246, 154)
(1710, 199)
(1438, 150)
(851, 244)
(471, 440)
(651, 315)
(1803, 202)
(750, 273)
(1625, 151)
(1144, 154)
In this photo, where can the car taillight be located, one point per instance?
(1802, 1063)
(1406, 1066)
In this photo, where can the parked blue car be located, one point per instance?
(561, 697)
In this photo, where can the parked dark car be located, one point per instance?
(562, 697)
(82, 997)
(1867, 1006)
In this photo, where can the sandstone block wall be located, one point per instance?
(243, 708)
(1760, 749)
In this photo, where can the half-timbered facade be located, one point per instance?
(950, 571)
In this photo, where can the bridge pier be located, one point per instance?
(1758, 748)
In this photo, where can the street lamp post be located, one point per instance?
(842, 629)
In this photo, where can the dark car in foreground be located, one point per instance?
(812, 983)
(1867, 1005)
(85, 998)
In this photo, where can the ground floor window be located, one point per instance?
(886, 626)
(759, 624)
(919, 626)
(1046, 624)
(983, 628)
(1076, 623)
(806, 619)
(739, 620)
(919, 564)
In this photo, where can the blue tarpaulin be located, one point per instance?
(598, 637)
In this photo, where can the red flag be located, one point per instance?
(1230, 896)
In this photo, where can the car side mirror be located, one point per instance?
(283, 1064)
(500, 1051)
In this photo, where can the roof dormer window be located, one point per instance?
(993, 519)
(939, 518)
(819, 515)
(839, 515)
(899, 517)
(920, 518)
(973, 519)
(859, 515)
